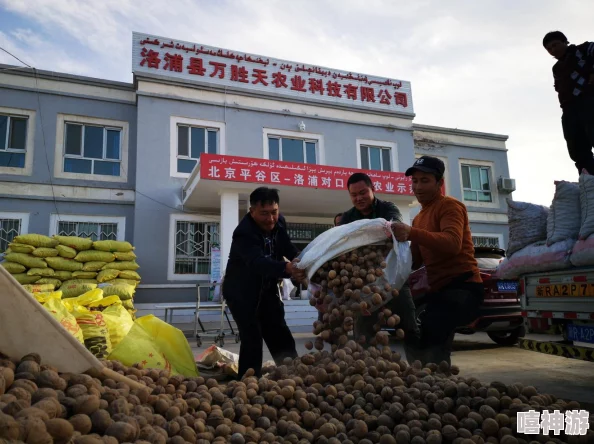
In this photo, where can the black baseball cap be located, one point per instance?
(427, 164)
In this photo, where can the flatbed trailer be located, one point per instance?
(562, 299)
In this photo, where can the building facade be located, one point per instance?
(169, 161)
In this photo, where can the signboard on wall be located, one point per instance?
(215, 264)
(220, 67)
(274, 172)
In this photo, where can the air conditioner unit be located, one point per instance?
(505, 185)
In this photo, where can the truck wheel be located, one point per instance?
(507, 338)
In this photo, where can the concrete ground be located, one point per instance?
(478, 356)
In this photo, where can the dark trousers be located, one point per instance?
(258, 323)
(578, 130)
(445, 311)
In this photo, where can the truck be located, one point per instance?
(560, 302)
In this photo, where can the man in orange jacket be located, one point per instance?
(441, 241)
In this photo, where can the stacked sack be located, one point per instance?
(543, 239)
(97, 321)
(74, 265)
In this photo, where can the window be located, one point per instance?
(91, 148)
(192, 250)
(292, 150)
(193, 141)
(293, 146)
(189, 139)
(376, 155)
(12, 225)
(13, 137)
(93, 227)
(16, 141)
(476, 184)
(375, 158)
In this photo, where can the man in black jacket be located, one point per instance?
(256, 265)
(367, 206)
(574, 82)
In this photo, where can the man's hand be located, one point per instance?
(297, 274)
(401, 231)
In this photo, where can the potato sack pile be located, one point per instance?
(87, 286)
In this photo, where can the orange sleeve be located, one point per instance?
(416, 253)
(451, 228)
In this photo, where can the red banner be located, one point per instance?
(272, 172)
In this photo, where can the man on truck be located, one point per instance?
(441, 241)
(574, 82)
(255, 268)
(367, 206)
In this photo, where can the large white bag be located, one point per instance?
(587, 205)
(564, 220)
(527, 224)
(537, 257)
(582, 254)
(345, 238)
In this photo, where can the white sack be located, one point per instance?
(587, 205)
(537, 257)
(345, 238)
(582, 254)
(563, 221)
(527, 224)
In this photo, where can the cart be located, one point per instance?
(218, 334)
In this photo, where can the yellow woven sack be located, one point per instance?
(107, 275)
(89, 297)
(13, 267)
(37, 240)
(24, 278)
(64, 264)
(128, 265)
(26, 259)
(41, 288)
(57, 283)
(63, 275)
(66, 319)
(93, 266)
(80, 281)
(129, 274)
(67, 252)
(102, 304)
(95, 332)
(84, 275)
(94, 256)
(128, 304)
(74, 290)
(129, 256)
(119, 322)
(42, 298)
(159, 344)
(20, 248)
(123, 281)
(110, 245)
(45, 252)
(78, 243)
(43, 272)
(124, 291)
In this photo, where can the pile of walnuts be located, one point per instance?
(350, 396)
(353, 285)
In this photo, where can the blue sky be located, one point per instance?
(476, 65)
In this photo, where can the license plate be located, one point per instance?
(565, 290)
(580, 333)
(507, 286)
